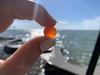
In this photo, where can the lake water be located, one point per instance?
(78, 43)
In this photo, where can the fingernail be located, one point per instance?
(47, 44)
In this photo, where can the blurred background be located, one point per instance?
(78, 23)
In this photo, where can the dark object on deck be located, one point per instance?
(48, 51)
(12, 45)
(53, 70)
(6, 37)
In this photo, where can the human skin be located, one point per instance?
(23, 9)
(20, 62)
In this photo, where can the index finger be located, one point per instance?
(24, 9)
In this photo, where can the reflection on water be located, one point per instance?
(76, 45)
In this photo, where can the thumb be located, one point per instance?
(25, 56)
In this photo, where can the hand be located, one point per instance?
(20, 62)
(23, 9)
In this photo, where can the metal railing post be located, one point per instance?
(94, 58)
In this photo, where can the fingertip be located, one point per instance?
(1, 62)
(47, 44)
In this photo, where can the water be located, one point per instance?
(80, 44)
(77, 44)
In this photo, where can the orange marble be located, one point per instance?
(50, 32)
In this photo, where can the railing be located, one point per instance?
(94, 58)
